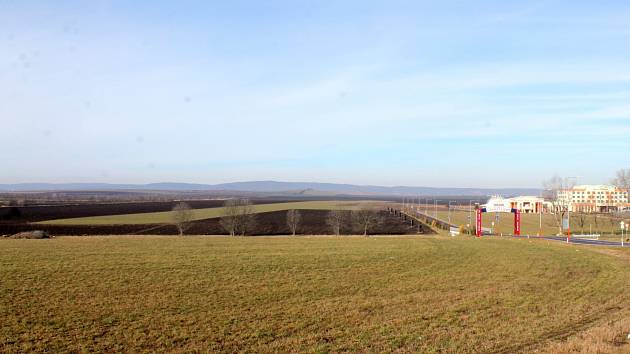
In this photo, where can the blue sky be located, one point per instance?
(450, 93)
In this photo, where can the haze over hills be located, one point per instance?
(293, 188)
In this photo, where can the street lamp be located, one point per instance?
(435, 207)
(569, 202)
(496, 220)
(449, 209)
(540, 207)
(469, 211)
(623, 226)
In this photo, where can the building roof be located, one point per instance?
(524, 197)
(595, 186)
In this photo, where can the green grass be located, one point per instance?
(281, 294)
(199, 214)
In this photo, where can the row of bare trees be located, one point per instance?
(239, 219)
(596, 222)
(361, 220)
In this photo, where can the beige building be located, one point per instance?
(594, 198)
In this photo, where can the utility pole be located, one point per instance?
(435, 207)
(469, 211)
(540, 220)
(469, 214)
(496, 221)
(449, 210)
(623, 226)
(570, 200)
(540, 207)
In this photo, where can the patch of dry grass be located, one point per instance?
(609, 335)
(303, 294)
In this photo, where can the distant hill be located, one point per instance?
(289, 188)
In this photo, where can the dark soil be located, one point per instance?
(16, 214)
(272, 223)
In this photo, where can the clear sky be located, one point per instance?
(433, 93)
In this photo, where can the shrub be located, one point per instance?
(37, 234)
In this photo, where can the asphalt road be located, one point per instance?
(577, 241)
(583, 241)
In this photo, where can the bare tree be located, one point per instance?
(247, 217)
(560, 206)
(239, 217)
(365, 219)
(229, 220)
(182, 216)
(335, 220)
(293, 220)
(613, 223)
(622, 180)
(581, 221)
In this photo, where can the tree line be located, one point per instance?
(239, 219)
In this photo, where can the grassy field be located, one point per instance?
(200, 214)
(306, 294)
(530, 222)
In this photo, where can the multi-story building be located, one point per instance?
(593, 198)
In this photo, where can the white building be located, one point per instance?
(525, 204)
(528, 204)
(593, 198)
(498, 204)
